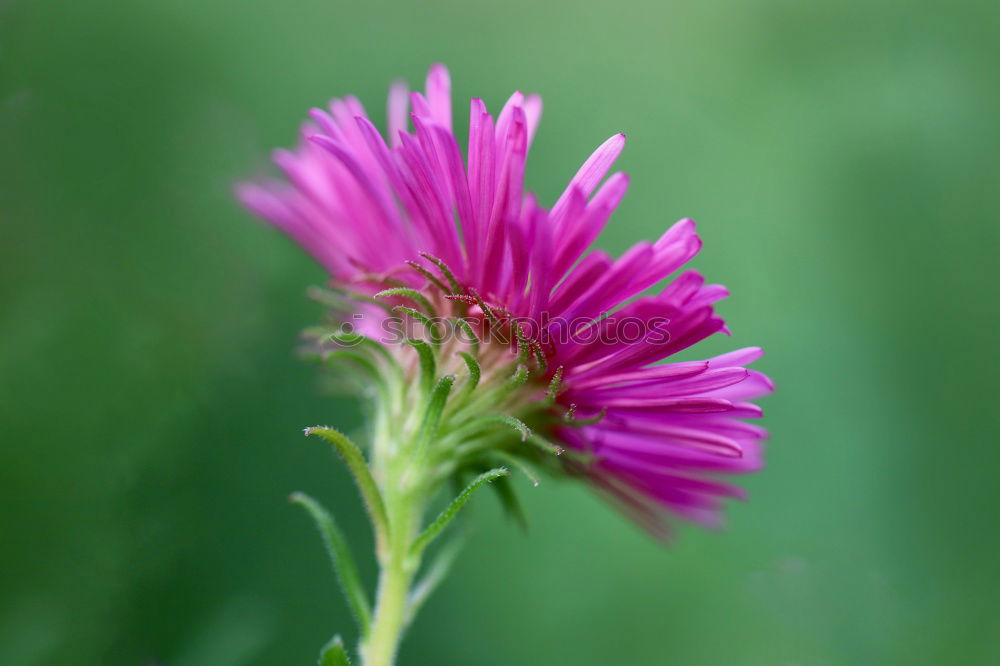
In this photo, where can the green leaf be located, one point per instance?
(334, 654)
(452, 509)
(355, 462)
(340, 557)
(436, 572)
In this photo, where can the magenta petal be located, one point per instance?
(594, 169)
(399, 103)
(532, 114)
(439, 95)
(744, 356)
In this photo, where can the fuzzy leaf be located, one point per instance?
(452, 509)
(355, 462)
(436, 572)
(340, 557)
(334, 654)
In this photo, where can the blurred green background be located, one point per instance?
(841, 159)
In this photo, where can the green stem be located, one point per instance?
(398, 566)
(390, 615)
(393, 452)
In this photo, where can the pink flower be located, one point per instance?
(655, 436)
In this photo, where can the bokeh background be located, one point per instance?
(841, 159)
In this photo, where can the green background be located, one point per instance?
(841, 159)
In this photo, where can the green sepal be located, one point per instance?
(361, 297)
(464, 324)
(510, 502)
(524, 349)
(445, 517)
(475, 372)
(523, 467)
(334, 654)
(355, 461)
(487, 310)
(462, 436)
(352, 340)
(456, 288)
(497, 394)
(555, 385)
(365, 363)
(543, 363)
(327, 298)
(428, 366)
(570, 417)
(545, 445)
(430, 276)
(411, 294)
(514, 382)
(517, 424)
(435, 338)
(344, 568)
(363, 360)
(432, 415)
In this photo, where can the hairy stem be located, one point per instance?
(389, 619)
(400, 481)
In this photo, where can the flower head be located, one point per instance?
(509, 321)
